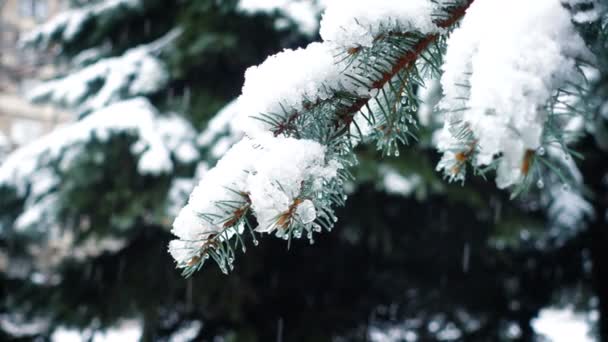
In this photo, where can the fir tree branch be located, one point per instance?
(344, 117)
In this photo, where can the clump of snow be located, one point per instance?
(267, 174)
(137, 72)
(352, 23)
(287, 81)
(501, 67)
(279, 175)
(67, 25)
(304, 13)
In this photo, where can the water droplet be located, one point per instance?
(540, 184)
(540, 151)
(256, 242)
(396, 153)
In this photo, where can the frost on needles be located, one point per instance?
(504, 71)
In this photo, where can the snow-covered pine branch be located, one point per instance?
(504, 70)
(510, 76)
(34, 170)
(312, 95)
(69, 26)
(138, 72)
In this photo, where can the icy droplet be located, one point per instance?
(540, 184)
(306, 211)
(540, 151)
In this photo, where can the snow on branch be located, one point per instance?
(305, 14)
(69, 25)
(280, 179)
(32, 169)
(502, 67)
(296, 109)
(350, 23)
(507, 74)
(138, 72)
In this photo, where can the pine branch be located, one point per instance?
(403, 62)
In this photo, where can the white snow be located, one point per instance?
(270, 171)
(503, 64)
(30, 169)
(187, 332)
(136, 116)
(352, 23)
(304, 13)
(179, 136)
(562, 325)
(286, 82)
(127, 330)
(279, 173)
(137, 72)
(398, 184)
(70, 23)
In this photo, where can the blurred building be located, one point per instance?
(21, 121)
